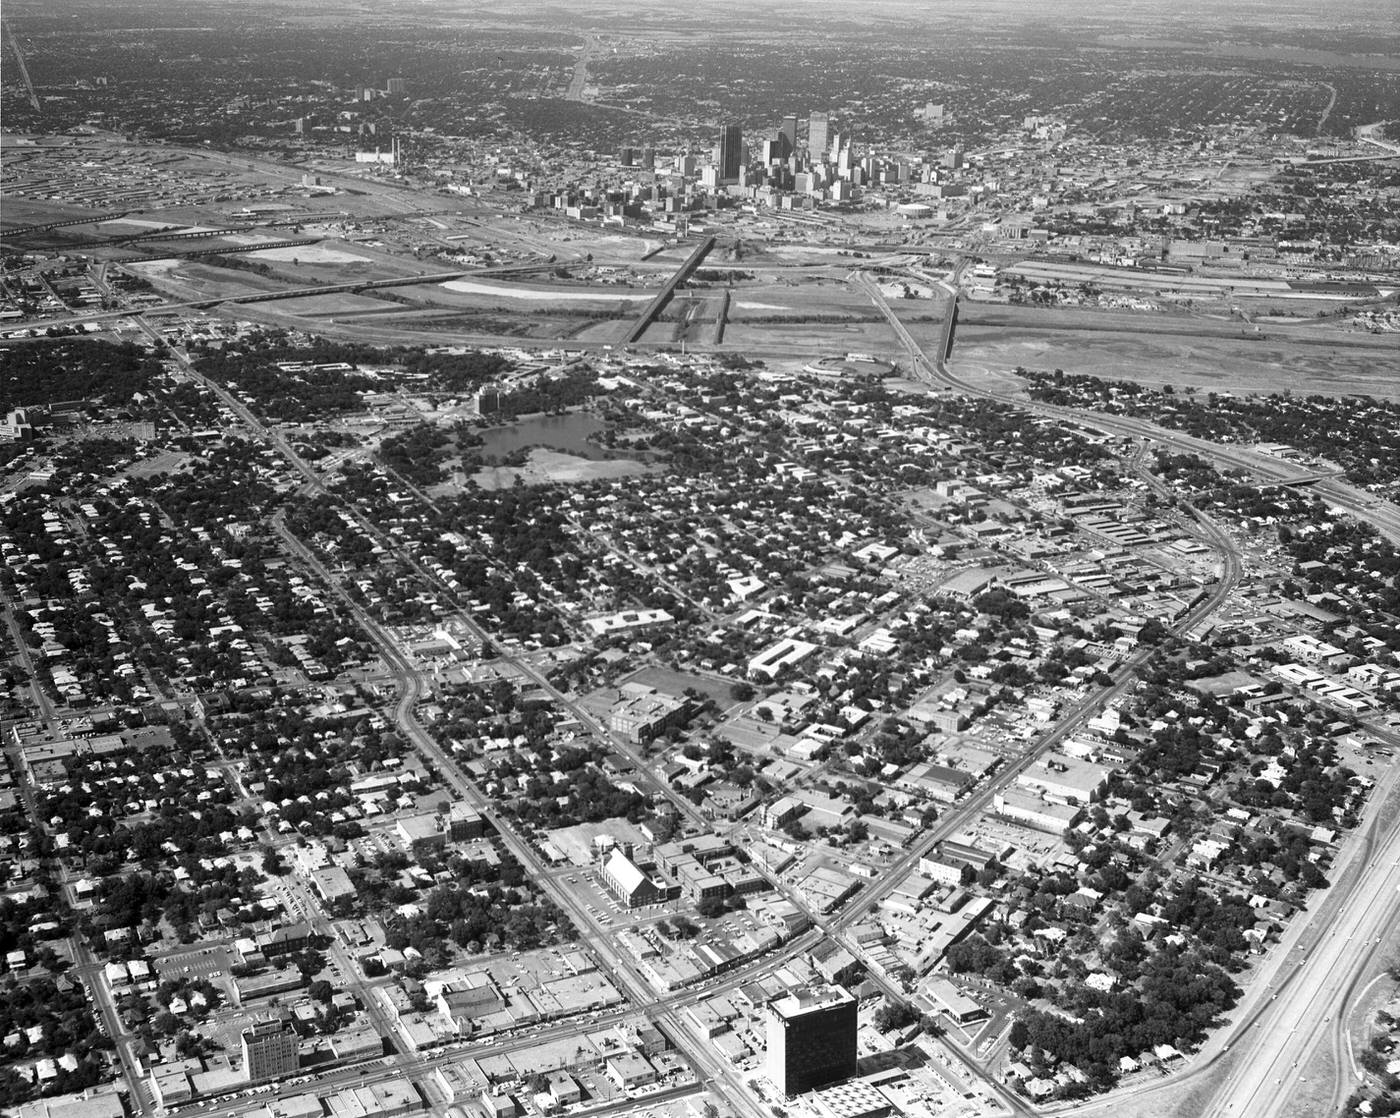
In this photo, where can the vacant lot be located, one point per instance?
(546, 466)
(1221, 364)
(675, 683)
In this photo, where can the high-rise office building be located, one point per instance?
(731, 152)
(269, 1051)
(818, 135)
(397, 86)
(811, 1038)
(788, 132)
(843, 156)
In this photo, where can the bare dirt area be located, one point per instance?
(782, 294)
(605, 330)
(552, 466)
(602, 298)
(185, 279)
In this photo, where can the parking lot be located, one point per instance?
(210, 963)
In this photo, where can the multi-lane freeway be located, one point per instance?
(1317, 968)
(1295, 1006)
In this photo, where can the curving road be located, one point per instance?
(1354, 917)
(1383, 514)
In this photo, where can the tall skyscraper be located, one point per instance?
(818, 135)
(269, 1051)
(789, 134)
(811, 1038)
(843, 156)
(731, 152)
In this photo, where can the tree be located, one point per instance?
(710, 907)
(686, 928)
(1019, 1035)
(309, 962)
(1152, 632)
(894, 1014)
(188, 1044)
(321, 991)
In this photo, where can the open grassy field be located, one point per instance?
(1221, 364)
(675, 683)
(340, 303)
(812, 338)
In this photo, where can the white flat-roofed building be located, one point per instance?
(1030, 810)
(1066, 779)
(1296, 674)
(952, 1001)
(626, 621)
(785, 653)
(1309, 649)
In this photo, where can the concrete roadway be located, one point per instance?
(579, 80)
(87, 967)
(1285, 994)
(26, 659)
(1367, 908)
(1267, 1072)
(619, 969)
